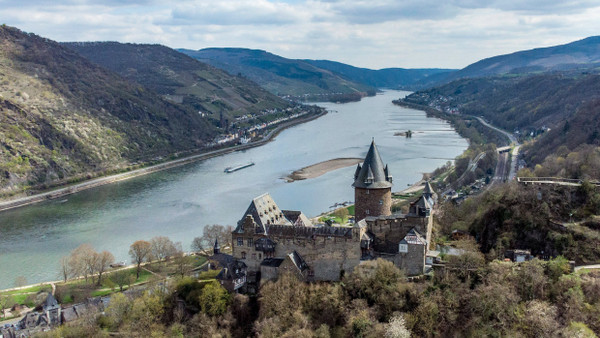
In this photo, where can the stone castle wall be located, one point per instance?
(372, 202)
(327, 256)
(389, 232)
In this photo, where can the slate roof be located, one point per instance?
(298, 261)
(372, 174)
(273, 262)
(216, 247)
(233, 270)
(50, 303)
(297, 218)
(222, 259)
(428, 189)
(69, 314)
(413, 237)
(264, 211)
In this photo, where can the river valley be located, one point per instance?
(179, 202)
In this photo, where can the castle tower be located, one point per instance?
(372, 187)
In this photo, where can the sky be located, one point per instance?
(364, 33)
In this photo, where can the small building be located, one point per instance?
(518, 256)
(233, 276)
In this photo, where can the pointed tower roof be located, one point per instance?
(217, 247)
(428, 189)
(372, 174)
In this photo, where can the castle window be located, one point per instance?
(367, 191)
(250, 242)
(243, 254)
(403, 248)
(380, 202)
(240, 241)
(367, 211)
(259, 256)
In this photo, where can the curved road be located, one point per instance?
(513, 164)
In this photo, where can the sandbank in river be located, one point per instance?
(321, 168)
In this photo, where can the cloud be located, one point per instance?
(374, 34)
(235, 13)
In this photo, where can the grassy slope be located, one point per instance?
(62, 116)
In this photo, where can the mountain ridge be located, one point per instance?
(279, 75)
(180, 78)
(64, 117)
(584, 53)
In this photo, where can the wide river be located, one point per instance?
(179, 202)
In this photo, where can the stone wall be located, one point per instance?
(327, 256)
(372, 202)
(413, 261)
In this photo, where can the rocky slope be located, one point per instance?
(65, 118)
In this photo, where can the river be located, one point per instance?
(180, 201)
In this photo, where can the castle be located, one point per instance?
(269, 241)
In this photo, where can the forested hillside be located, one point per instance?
(566, 103)
(283, 76)
(393, 78)
(181, 78)
(64, 117)
(582, 54)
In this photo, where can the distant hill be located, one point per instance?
(575, 55)
(181, 78)
(393, 78)
(567, 103)
(279, 75)
(64, 117)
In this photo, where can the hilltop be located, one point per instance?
(394, 78)
(565, 103)
(180, 78)
(281, 76)
(582, 54)
(65, 118)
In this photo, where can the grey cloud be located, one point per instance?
(228, 15)
(367, 12)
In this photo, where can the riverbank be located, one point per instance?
(96, 182)
(321, 168)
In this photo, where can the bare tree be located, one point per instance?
(162, 247)
(140, 251)
(198, 244)
(65, 268)
(90, 262)
(210, 234)
(182, 262)
(79, 260)
(105, 259)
